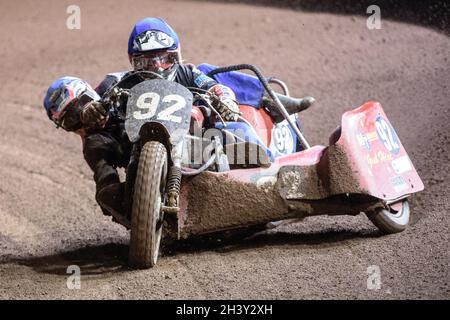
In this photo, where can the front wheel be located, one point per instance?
(392, 220)
(146, 217)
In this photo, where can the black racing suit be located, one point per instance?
(106, 149)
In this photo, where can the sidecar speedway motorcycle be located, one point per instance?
(252, 171)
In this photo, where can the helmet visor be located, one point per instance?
(67, 121)
(157, 61)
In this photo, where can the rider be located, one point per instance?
(152, 46)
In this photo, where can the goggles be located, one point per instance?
(157, 61)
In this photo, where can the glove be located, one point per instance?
(221, 99)
(94, 115)
(228, 109)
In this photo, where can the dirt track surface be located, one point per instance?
(48, 216)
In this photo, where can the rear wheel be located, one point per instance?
(146, 217)
(392, 220)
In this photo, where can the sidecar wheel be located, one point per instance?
(146, 217)
(394, 220)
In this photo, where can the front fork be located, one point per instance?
(171, 207)
(174, 180)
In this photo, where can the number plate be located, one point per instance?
(166, 102)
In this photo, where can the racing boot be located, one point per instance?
(111, 199)
(292, 105)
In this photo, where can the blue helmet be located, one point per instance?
(154, 46)
(62, 92)
(152, 34)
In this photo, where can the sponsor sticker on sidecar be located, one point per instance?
(364, 139)
(401, 165)
(399, 184)
(378, 157)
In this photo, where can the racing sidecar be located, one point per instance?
(364, 169)
(255, 171)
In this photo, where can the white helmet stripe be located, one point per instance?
(152, 40)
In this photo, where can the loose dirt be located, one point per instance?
(48, 216)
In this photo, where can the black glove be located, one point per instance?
(94, 114)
